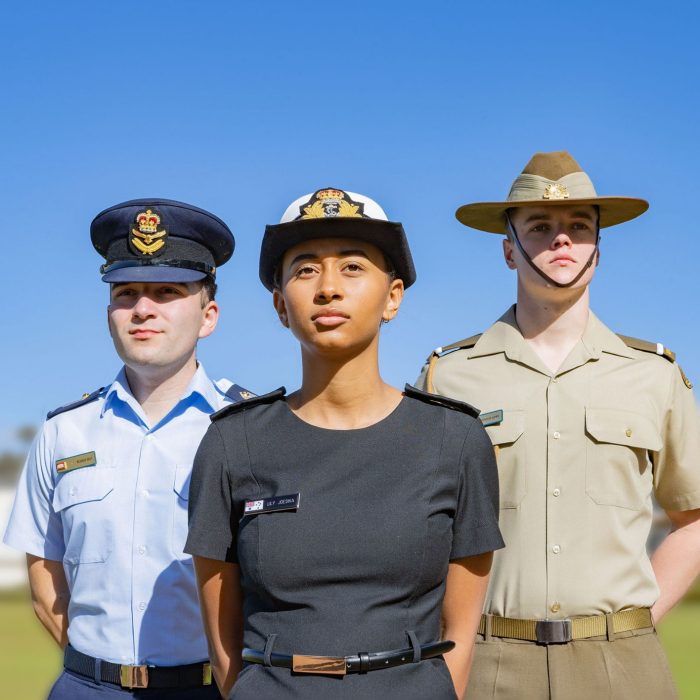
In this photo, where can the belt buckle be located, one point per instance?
(553, 631)
(326, 665)
(133, 676)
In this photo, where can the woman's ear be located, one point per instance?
(394, 299)
(280, 307)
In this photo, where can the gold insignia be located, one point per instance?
(147, 238)
(686, 381)
(555, 191)
(331, 203)
(246, 394)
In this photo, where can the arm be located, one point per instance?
(676, 562)
(50, 596)
(467, 580)
(220, 599)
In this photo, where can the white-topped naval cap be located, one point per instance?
(331, 203)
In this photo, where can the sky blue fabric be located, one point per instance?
(120, 526)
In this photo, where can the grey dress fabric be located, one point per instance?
(383, 510)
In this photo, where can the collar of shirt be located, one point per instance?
(200, 387)
(505, 337)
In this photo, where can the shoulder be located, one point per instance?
(649, 349)
(84, 400)
(441, 401)
(245, 404)
(465, 344)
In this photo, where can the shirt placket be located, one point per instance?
(556, 446)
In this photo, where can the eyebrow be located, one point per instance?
(341, 254)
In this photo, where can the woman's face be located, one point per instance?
(334, 293)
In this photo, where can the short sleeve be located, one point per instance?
(34, 527)
(475, 527)
(677, 464)
(213, 524)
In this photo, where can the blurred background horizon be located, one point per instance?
(242, 107)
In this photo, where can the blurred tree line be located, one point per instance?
(12, 459)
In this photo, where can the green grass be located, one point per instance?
(30, 661)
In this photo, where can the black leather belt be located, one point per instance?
(341, 665)
(189, 676)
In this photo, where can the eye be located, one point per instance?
(304, 271)
(123, 292)
(540, 228)
(352, 267)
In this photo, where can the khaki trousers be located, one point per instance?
(632, 666)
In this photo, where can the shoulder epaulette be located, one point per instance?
(238, 393)
(244, 404)
(438, 400)
(646, 346)
(86, 398)
(439, 352)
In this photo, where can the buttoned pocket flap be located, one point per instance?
(183, 476)
(508, 430)
(82, 486)
(620, 427)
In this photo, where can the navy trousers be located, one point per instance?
(71, 686)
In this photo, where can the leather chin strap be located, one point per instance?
(545, 276)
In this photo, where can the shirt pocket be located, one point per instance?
(618, 464)
(509, 446)
(83, 501)
(181, 486)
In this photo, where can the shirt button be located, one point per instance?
(555, 607)
(628, 432)
(556, 434)
(142, 606)
(554, 380)
(144, 492)
(72, 491)
(141, 549)
(556, 492)
(556, 549)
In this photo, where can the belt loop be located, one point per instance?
(488, 617)
(609, 627)
(98, 671)
(415, 645)
(269, 644)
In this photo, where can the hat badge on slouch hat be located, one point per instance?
(334, 213)
(550, 179)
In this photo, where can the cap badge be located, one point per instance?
(331, 203)
(147, 239)
(555, 191)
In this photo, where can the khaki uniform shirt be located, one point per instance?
(579, 455)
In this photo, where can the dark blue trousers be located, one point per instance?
(71, 686)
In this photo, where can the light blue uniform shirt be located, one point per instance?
(120, 526)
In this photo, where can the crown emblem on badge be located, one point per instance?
(147, 239)
(555, 191)
(331, 203)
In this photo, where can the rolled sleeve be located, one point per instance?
(475, 527)
(677, 464)
(213, 523)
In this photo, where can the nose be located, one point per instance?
(561, 238)
(144, 307)
(329, 286)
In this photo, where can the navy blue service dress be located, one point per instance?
(364, 558)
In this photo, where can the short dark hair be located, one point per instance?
(209, 288)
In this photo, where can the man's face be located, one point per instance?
(334, 294)
(157, 324)
(559, 240)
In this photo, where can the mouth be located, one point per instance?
(329, 317)
(563, 260)
(143, 333)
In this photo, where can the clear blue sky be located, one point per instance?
(242, 107)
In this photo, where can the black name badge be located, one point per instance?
(273, 504)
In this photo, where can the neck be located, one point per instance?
(158, 389)
(554, 323)
(343, 393)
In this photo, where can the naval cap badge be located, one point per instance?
(147, 238)
(330, 203)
